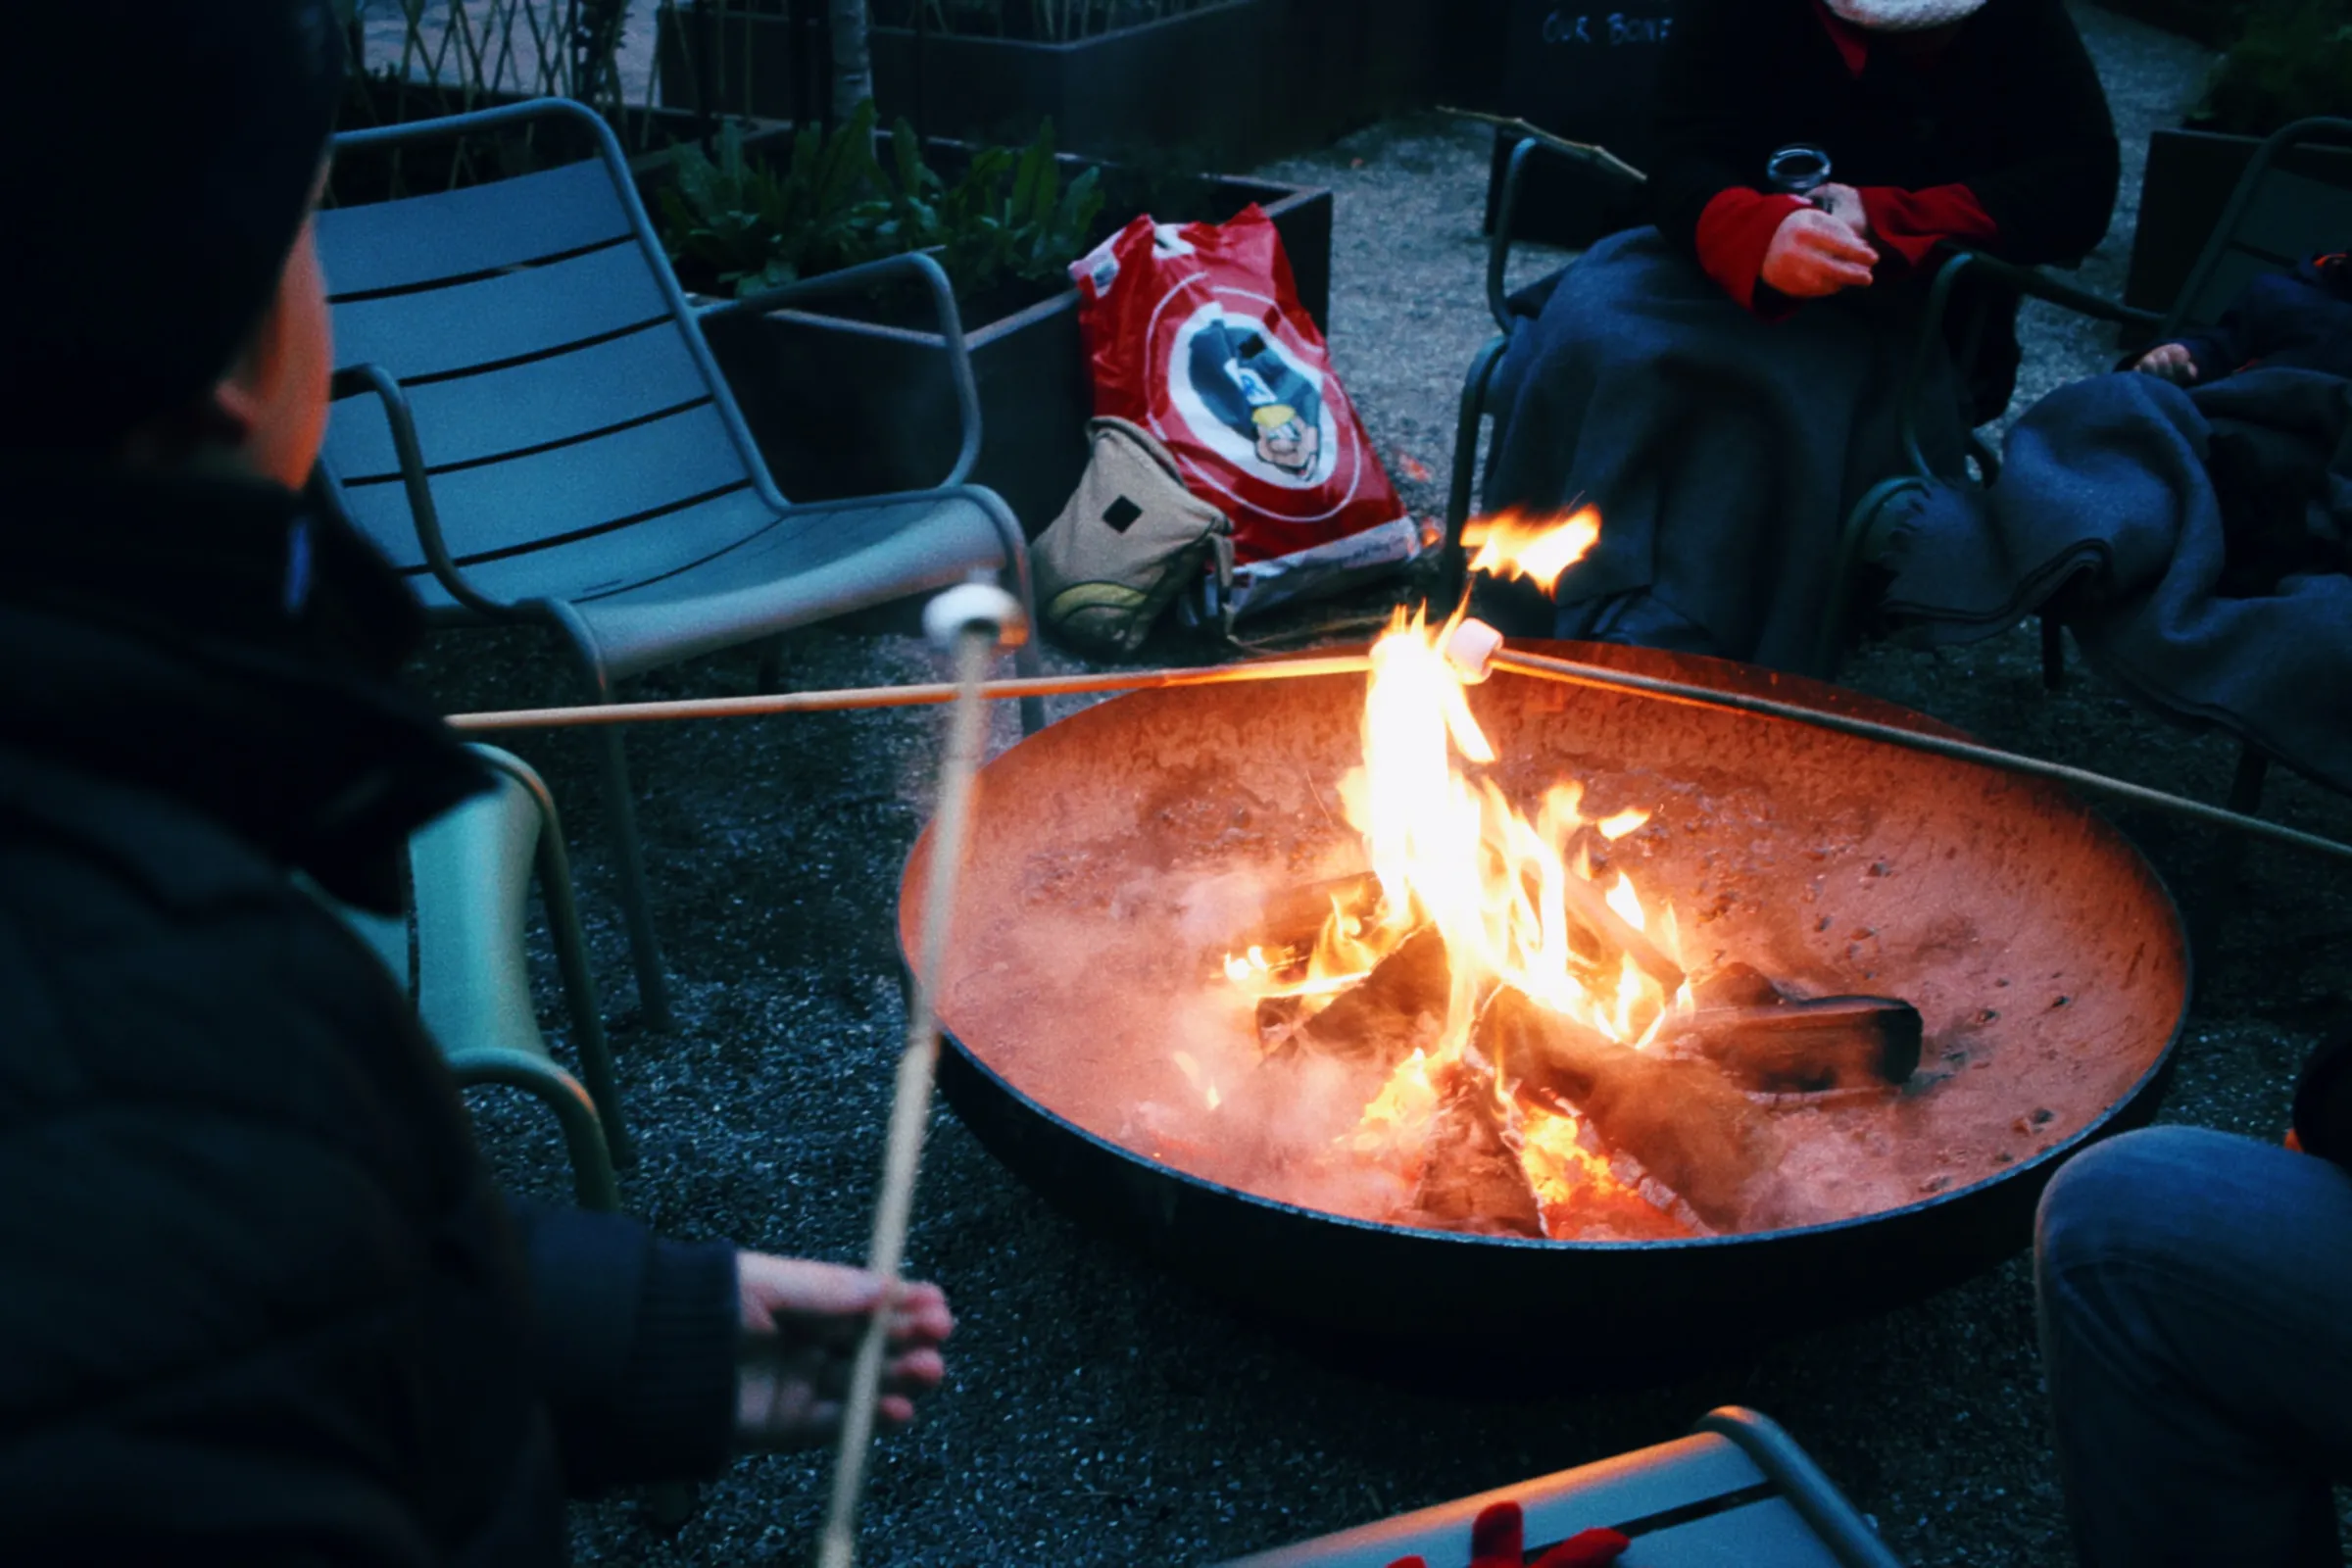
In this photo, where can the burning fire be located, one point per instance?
(1514, 899)
(1513, 545)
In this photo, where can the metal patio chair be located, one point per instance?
(460, 950)
(551, 442)
(1737, 1490)
(2276, 218)
(1478, 383)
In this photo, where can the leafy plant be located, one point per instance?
(2293, 60)
(755, 225)
(833, 204)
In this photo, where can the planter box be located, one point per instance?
(842, 407)
(1227, 87)
(2191, 176)
(1586, 72)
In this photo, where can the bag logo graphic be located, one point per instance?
(1248, 397)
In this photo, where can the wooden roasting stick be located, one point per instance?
(970, 621)
(588, 715)
(1575, 673)
(1582, 150)
(1495, 657)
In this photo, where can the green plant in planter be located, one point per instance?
(2292, 61)
(833, 204)
(757, 226)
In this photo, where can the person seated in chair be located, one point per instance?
(1724, 384)
(2299, 320)
(264, 1303)
(2196, 1294)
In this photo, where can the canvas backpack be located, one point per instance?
(1129, 542)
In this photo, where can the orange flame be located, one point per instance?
(1538, 549)
(1448, 849)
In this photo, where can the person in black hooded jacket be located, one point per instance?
(262, 1302)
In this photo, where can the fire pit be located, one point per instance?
(1541, 1005)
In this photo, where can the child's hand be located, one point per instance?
(2171, 360)
(1814, 254)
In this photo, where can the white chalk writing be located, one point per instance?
(1615, 29)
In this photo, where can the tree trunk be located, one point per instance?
(853, 65)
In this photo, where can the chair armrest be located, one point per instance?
(355, 378)
(950, 319)
(1507, 210)
(2039, 284)
(2027, 280)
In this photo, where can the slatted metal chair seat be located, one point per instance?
(531, 427)
(1738, 1493)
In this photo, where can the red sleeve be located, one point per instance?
(1734, 230)
(1911, 223)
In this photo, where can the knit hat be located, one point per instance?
(162, 157)
(1903, 16)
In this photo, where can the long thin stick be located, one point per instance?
(870, 696)
(865, 697)
(1585, 150)
(910, 1110)
(1577, 674)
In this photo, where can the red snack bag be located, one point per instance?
(1195, 333)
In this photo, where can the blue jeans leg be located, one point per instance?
(2197, 1323)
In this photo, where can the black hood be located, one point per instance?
(220, 641)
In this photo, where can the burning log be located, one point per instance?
(1588, 905)
(1689, 1125)
(1377, 1019)
(1473, 1179)
(1809, 1047)
(1773, 1043)
(1293, 918)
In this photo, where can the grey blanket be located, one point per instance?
(2193, 540)
(1722, 449)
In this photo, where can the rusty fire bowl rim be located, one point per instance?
(2135, 1104)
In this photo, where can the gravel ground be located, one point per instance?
(1098, 1411)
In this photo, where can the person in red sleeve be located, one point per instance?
(1722, 384)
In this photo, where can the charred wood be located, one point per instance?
(1472, 1179)
(1688, 1124)
(1376, 1020)
(1810, 1046)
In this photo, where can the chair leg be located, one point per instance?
(1468, 425)
(592, 1180)
(2229, 861)
(2053, 654)
(771, 665)
(1015, 578)
(1026, 663)
(579, 987)
(645, 947)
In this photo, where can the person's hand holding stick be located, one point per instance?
(970, 622)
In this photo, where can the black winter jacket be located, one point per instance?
(2011, 108)
(260, 1303)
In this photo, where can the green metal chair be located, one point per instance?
(461, 953)
(551, 442)
(1737, 1489)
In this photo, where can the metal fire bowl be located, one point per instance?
(2046, 958)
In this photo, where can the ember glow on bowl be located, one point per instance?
(1095, 1049)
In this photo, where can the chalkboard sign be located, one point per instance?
(1584, 71)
